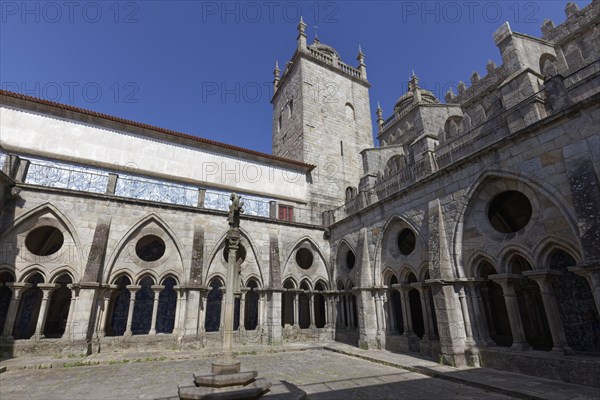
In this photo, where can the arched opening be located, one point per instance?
(452, 127)
(304, 306)
(213, 306)
(495, 310)
(531, 306)
(142, 309)
(120, 307)
(349, 111)
(287, 306)
(319, 304)
(5, 296)
(29, 308)
(167, 306)
(395, 310)
(575, 303)
(251, 306)
(58, 310)
(416, 310)
(547, 65)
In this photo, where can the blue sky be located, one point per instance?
(205, 67)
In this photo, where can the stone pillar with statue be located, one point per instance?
(226, 380)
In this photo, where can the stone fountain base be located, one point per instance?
(226, 382)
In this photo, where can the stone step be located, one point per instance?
(238, 379)
(251, 391)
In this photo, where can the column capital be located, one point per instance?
(133, 288)
(157, 288)
(18, 288)
(48, 288)
(505, 278)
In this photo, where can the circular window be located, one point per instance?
(509, 211)
(150, 248)
(350, 259)
(406, 241)
(241, 253)
(304, 258)
(44, 241)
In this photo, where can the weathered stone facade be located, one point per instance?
(471, 235)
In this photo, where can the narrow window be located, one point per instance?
(341, 148)
(279, 124)
(291, 107)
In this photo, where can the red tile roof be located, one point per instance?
(155, 128)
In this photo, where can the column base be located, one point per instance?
(520, 346)
(561, 349)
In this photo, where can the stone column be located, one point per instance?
(179, 325)
(74, 293)
(351, 310)
(481, 331)
(132, 290)
(312, 309)
(516, 325)
(427, 325)
(47, 289)
(11, 315)
(104, 322)
(404, 288)
(261, 309)
(201, 311)
(393, 325)
(544, 281)
(466, 315)
(335, 301)
(327, 309)
(591, 272)
(379, 312)
(296, 310)
(222, 317)
(156, 289)
(429, 315)
(242, 326)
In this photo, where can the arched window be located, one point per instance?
(287, 306)
(120, 307)
(29, 308)
(349, 111)
(213, 306)
(142, 310)
(58, 312)
(251, 306)
(167, 305)
(319, 304)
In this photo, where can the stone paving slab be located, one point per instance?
(512, 384)
(323, 375)
(517, 385)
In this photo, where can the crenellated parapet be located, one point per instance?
(538, 79)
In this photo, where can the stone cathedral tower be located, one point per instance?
(322, 116)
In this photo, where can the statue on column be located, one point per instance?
(235, 209)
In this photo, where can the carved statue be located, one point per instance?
(235, 208)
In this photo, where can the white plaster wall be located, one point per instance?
(49, 136)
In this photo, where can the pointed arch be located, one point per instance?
(472, 264)
(550, 192)
(405, 271)
(387, 276)
(291, 279)
(245, 239)
(297, 244)
(64, 270)
(31, 270)
(145, 221)
(547, 245)
(39, 211)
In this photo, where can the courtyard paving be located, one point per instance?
(333, 371)
(321, 374)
